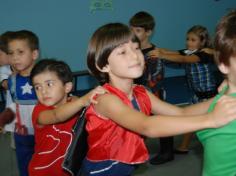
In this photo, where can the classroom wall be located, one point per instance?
(65, 26)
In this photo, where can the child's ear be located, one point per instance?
(104, 69)
(149, 32)
(35, 54)
(68, 87)
(223, 68)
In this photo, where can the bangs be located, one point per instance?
(103, 42)
(117, 36)
(111, 36)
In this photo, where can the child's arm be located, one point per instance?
(165, 125)
(208, 50)
(67, 110)
(173, 56)
(161, 107)
(6, 116)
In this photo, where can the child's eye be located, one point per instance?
(137, 47)
(50, 84)
(20, 52)
(121, 52)
(37, 88)
(10, 53)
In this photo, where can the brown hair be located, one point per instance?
(225, 39)
(29, 36)
(104, 40)
(142, 19)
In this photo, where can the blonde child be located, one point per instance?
(200, 69)
(52, 81)
(115, 122)
(219, 144)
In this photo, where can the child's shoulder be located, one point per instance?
(151, 48)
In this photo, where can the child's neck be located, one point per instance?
(125, 86)
(63, 101)
(232, 88)
(145, 44)
(26, 72)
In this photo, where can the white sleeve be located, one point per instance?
(12, 106)
(5, 72)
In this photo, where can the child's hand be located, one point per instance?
(154, 53)
(224, 111)
(208, 50)
(222, 85)
(89, 97)
(6, 116)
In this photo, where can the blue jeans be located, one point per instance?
(24, 152)
(106, 168)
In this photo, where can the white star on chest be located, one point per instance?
(26, 89)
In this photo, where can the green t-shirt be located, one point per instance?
(219, 147)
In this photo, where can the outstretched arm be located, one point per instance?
(67, 110)
(173, 56)
(164, 125)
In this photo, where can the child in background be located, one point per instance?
(23, 50)
(5, 72)
(219, 144)
(115, 122)
(52, 81)
(143, 24)
(200, 69)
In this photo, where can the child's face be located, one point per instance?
(4, 59)
(50, 89)
(141, 33)
(193, 41)
(21, 56)
(125, 62)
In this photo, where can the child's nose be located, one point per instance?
(44, 90)
(15, 57)
(134, 53)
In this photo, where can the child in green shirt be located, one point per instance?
(220, 144)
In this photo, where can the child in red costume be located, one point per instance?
(52, 81)
(115, 122)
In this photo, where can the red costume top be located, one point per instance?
(51, 144)
(109, 141)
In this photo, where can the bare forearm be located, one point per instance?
(69, 109)
(173, 57)
(61, 113)
(169, 126)
(197, 109)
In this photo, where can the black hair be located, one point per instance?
(60, 68)
(142, 19)
(4, 41)
(29, 36)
